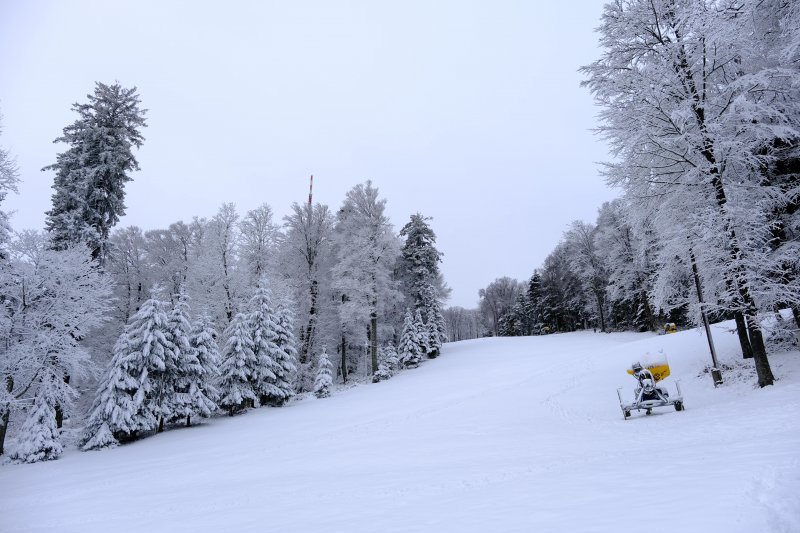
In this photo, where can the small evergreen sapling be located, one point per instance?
(324, 378)
(286, 370)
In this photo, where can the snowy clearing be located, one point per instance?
(511, 434)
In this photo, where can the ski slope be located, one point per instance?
(496, 435)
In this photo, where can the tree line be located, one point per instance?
(700, 104)
(205, 316)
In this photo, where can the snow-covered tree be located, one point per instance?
(410, 349)
(50, 301)
(239, 367)
(306, 257)
(697, 102)
(324, 378)
(367, 250)
(588, 267)
(91, 174)
(259, 236)
(271, 375)
(496, 300)
(132, 396)
(201, 388)
(285, 340)
(423, 333)
(9, 176)
(40, 439)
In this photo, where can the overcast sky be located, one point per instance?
(468, 112)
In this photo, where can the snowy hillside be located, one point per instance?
(512, 434)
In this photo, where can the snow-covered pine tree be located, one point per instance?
(389, 356)
(324, 378)
(132, 396)
(39, 437)
(91, 174)
(287, 363)
(410, 348)
(184, 373)
(239, 365)
(263, 327)
(423, 333)
(202, 389)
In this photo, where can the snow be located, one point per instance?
(512, 434)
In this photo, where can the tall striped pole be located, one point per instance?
(310, 189)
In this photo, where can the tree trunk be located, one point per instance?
(344, 359)
(741, 331)
(373, 340)
(796, 313)
(188, 421)
(5, 414)
(763, 369)
(312, 323)
(160, 425)
(59, 411)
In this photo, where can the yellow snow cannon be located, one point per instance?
(649, 392)
(670, 327)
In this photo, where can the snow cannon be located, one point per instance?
(649, 392)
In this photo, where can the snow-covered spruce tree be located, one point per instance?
(324, 378)
(270, 378)
(420, 275)
(423, 333)
(133, 395)
(695, 104)
(389, 356)
(410, 348)
(40, 440)
(367, 250)
(239, 366)
(287, 363)
(90, 179)
(202, 391)
(187, 379)
(50, 300)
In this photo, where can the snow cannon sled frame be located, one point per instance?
(651, 394)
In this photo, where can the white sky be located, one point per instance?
(469, 112)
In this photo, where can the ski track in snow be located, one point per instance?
(513, 434)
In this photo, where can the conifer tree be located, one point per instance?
(132, 396)
(410, 348)
(202, 390)
(239, 365)
(324, 378)
(91, 174)
(423, 334)
(268, 378)
(285, 340)
(40, 440)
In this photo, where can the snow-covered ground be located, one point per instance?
(520, 434)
